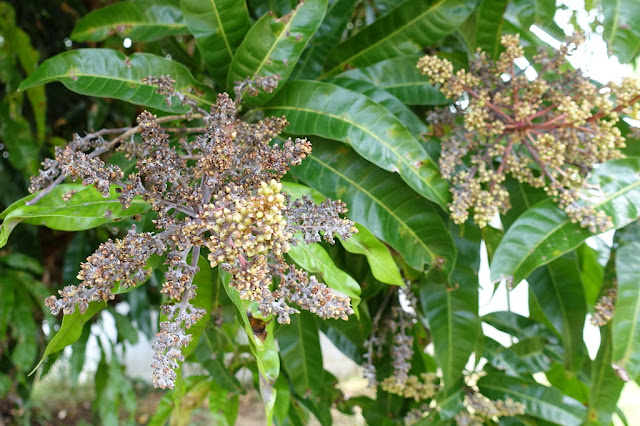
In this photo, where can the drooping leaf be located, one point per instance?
(605, 385)
(315, 259)
(400, 77)
(110, 74)
(382, 265)
(626, 321)
(488, 29)
(621, 31)
(299, 344)
(218, 27)
(452, 312)
(273, 45)
(262, 345)
(559, 292)
(70, 330)
(383, 268)
(544, 232)
(381, 202)
(385, 99)
(540, 401)
(85, 210)
(411, 26)
(141, 20)
(329, 111)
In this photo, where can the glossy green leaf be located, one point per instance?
(218, 27)
(488, 29)
(605, 385)
(383, 267)
(400, 77)
(312, 60)
(386, 99)
(408, 28)
(544, 232)
(329, 111)
(110, 74)
(559, 292)
(273, 45)
(70, 330)
(85, 210)
(299, 344)
(265, 351)
(540, 401)
(626, 321)
(381, 202)
(621, 31)
(452, 311)
(140, 20)
(316, 260)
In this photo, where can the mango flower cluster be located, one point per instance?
(216, 193)
(547, 132)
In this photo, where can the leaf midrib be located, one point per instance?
(223, 33)
(102, 77)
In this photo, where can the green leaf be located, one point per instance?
(383, 267)
(385, 99)
(544, 232)
(408, 28)
(381, 202)
(70, 330)
(621, 31)
(559, 292)
(110, 74)
(85, 210)
(605, 385)
(489, 21)
(315, 259)
(524, 357)
(540, 401)
(274, 45)
(329, 111)
(299, 344)
(400, 77)
(626, 321)
(218, 27)
(452, 312)
(262, 346)
(140, 20)
(312, 60)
